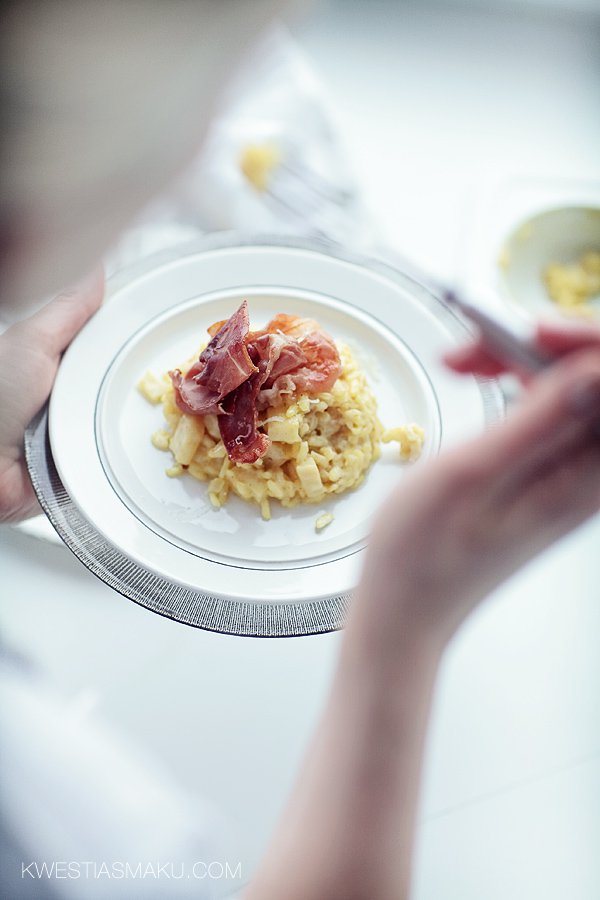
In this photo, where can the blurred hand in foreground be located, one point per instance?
(29, 355)
(450, 533)
(462, 524)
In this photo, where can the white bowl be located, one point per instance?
(560, 235)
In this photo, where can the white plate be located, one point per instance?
(158, 540)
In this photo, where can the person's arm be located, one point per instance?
(347, 833)
(446, 537)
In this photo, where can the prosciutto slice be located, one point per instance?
(274, 355)
(279, 353)
(293, 326)
(240, 373)
(317, 372)
(242, 440)
(223, 366)
(318, 365)
(322, 367)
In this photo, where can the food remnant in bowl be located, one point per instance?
(281, 413)
(258, 161)
(572, 286)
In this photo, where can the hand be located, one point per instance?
(462, 524)
(447, 535)
(29, 355)
(557, 341)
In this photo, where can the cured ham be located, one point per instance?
(242, 440)
(273, 355)
(294, 326)
(280, 353)
(223, 366)
(321, 367)
(242, 372)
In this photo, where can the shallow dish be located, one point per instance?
(557, 235)
(502, 216)
(158, 540)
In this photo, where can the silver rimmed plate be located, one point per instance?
(157, 540)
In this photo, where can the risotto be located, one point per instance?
(315, 445)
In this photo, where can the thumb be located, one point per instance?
(57, 323)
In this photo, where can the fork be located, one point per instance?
(290, 186)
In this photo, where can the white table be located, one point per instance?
(511, 805)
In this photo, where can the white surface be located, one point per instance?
(434, 106)
(440, 105)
